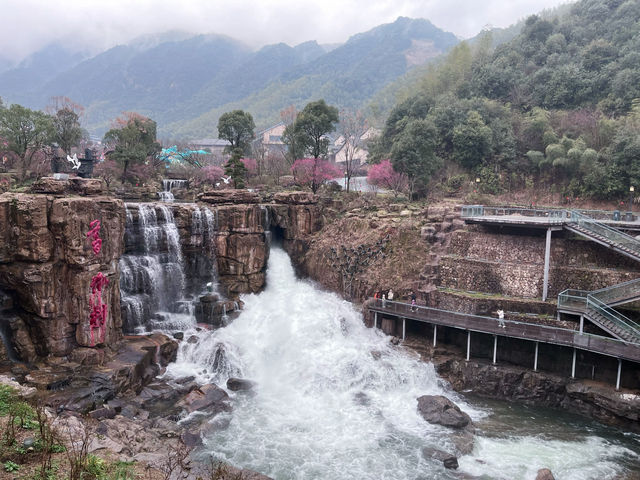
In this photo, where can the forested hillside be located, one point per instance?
(185, 84)
(556, 107)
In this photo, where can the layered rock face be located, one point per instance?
(46, 266)
(510, 262)
(242, 240)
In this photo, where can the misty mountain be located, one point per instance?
(31, 74)
(185, 84)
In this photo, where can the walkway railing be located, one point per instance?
(619, 293)
(604, 232)
(487, 211)
(527, 331)
(573, 300)
(628, 326)
(468, 211)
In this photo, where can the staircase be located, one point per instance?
(596, 305)
(602, 234)
(612, 321)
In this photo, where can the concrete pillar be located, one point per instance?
(535, 359)
(495, 348)
(435, 334)
(375, 319)
(573, 365)
(619, 374)
(468, 345)
(581, 324)
(547, 259)
(404, 328)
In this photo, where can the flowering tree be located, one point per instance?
(251, 165)
(209, 175)
(108, 170)
(384, 176)
(313, 172)
(141, 173)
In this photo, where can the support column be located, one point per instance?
(581, 324)
(468, 344)
(495, 348)
(619, 374)
(375, 319)
(535, 359)
(435, 334)
(547, 255)
(404, 328)
(573, 365)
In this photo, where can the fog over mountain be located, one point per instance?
(185, 82)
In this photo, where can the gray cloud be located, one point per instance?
(95, 25)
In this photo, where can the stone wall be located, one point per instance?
(46, 265)
(512, 263)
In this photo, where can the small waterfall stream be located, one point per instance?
(156, 293)
(335, 400)
(167, 184)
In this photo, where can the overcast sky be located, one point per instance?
(28, 25)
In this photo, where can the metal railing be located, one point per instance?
(486, 211)
(618, 319)
(621, 292)
(573, 300)
(611, 235)
(603, 215)
(524, 330)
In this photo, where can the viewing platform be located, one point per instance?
(612, 347)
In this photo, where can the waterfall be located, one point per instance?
(167, 185)
(335, 400)
(152, 279)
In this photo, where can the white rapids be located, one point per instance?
(335, 400)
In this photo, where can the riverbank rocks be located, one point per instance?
(240, 384)
(448, 460)
(545, 474)
(442, 411)
(208, 398)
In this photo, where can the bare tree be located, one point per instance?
(352, 128)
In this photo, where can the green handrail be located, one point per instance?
(618, 292)
(628, 325)
(571, 299)
(611, 234)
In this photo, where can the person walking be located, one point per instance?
(414, 306)
(501, 318)
(390, 295)
(384, 300)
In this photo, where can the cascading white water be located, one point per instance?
(167, 184)
(152, 280)
(334, 400)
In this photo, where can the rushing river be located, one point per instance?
(335, 400)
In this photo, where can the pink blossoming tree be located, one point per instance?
(383, 175)
(313, 172)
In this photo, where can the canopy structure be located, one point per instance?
(172, 155)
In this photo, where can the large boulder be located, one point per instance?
(545, 474)
(448, 460)
(209, 398)
(240, 384)
(442, 411)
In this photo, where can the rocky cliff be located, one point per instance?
(46, 266)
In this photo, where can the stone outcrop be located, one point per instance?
(46, 265)
(221, 197)
(442, 411)
(584, 397)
